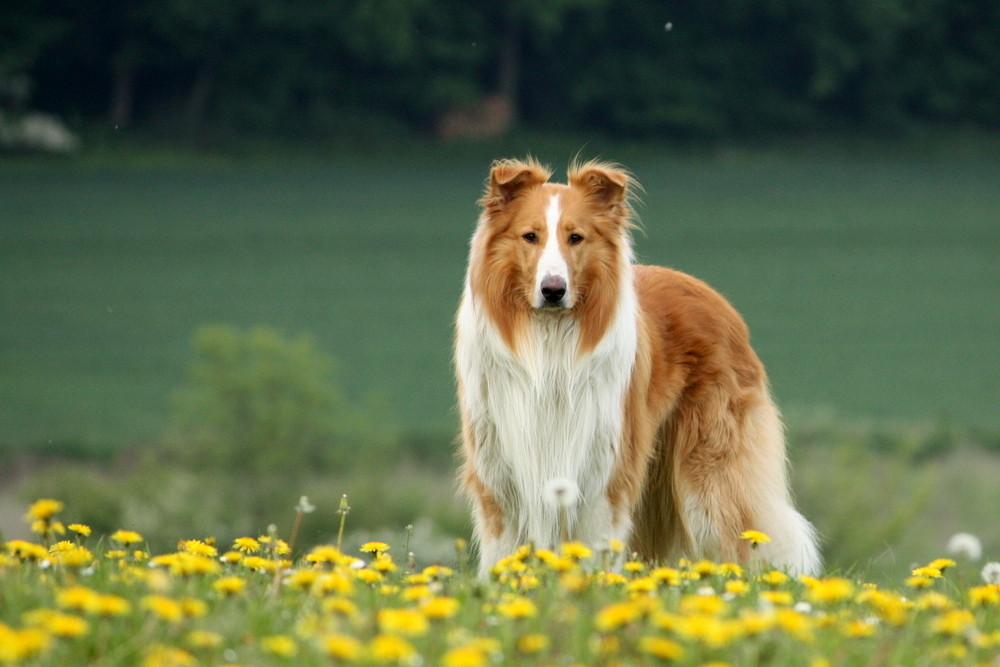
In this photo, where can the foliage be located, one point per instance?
(73, 597)
(689, 69)
(265, 405)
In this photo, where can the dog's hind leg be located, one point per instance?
(731, 476)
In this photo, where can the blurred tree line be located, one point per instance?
(454, 67)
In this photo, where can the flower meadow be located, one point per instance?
(70, 597)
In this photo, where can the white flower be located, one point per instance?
(991, 573)
(561, 492)
(305, 506)
(965, 545)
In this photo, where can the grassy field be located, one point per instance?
(109, 599)
(871, 283)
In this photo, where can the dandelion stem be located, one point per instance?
(343, 511)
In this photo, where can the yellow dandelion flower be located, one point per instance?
(80, 598)
(573, 582)
(159, 655)
(368, 576)
(302, 580)
(341, 647)
(80, 529)
(634, 566)
(755, 622)
(76, 557)
(231, 557)
(777, 598)
(642, 586)
(919, 581)
(279, 645)
(111, 605)
(164, 608)
(533, 643)
(795, 624)
(705, 568)
(830, 590)
(374, 547)
(708, 630)
(575, 550)
(199, 548)
(440, 607)
(667, 575)
(43, 510)
(390, 648)
(660, 647)
(204, 639)
(383, 563)
(737, 587)
(115, 554)
(731, 570)
(338, 583)
(340, 606)
(984, 596)
(858, 628)
(230, 585)
(247, 545)
(934, 600)
(954, 622)
(615, 615)
(465, 656)
(517, 607)
(712, 605)
(26, 550)
(193, 607)
(755, 537)
(611, 579)
(890, 607)
(941, 564)
(616, 546)
(57, 623)
(259, 564)
(402, 621)
(126, 537)
(438, 571)
(927, 571)
(773, 578)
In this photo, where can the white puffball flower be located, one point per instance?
(991, 573)
(561, 492)
(965, 545)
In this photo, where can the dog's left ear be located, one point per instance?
(605, 185)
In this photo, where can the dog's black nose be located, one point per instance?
(553, 289)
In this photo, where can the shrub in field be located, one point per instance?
(72, 597)
(260, 403)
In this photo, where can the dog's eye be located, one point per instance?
(530, 237)
(574, 239)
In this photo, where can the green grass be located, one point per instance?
(870, 282)
(108, 599)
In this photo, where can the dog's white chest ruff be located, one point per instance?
(546, 413)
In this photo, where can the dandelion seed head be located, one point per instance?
(561, 492)
(965, 545)
(991, 573)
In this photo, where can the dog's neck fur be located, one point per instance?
(546, 411)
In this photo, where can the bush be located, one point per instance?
(260, 404)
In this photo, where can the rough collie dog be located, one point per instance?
(636, 384)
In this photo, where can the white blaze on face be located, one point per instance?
(552, 264)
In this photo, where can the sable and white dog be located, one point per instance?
(636, 383)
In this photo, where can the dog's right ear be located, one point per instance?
(508, 179)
